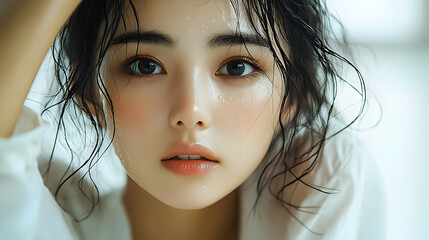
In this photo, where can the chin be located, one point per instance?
(189, 202)
(189, 206)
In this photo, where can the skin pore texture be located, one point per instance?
(188, 96)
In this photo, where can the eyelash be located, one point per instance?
(127, 65)
(257, 67)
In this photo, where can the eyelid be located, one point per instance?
(127, 63)
(253, 62)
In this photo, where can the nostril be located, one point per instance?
(181, 123)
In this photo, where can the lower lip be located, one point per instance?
(189, 167)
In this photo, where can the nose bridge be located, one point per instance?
(190, 106)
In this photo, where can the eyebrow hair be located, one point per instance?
(219, 40)
(222, 40)
(153, 37)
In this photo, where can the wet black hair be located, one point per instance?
(298, 34)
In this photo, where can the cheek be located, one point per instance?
(252, 112)
(138, 109)
(138, 116)
(247, 125)
(131, 113)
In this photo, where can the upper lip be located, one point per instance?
(190, 149)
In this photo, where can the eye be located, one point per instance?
(236, 68)
(145, 66)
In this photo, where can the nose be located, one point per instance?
(191, 103)
(189, 117)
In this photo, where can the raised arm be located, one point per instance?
(27, 30)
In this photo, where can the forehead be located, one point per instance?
(185, 17)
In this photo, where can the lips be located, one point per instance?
(190, 149)
(190, 160)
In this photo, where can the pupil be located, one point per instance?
(235, 68)
(147, 67)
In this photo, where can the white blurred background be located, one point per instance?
(392, 52)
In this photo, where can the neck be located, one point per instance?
(152, 219)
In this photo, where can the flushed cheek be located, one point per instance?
(131, 113)
(246, 111)
(137, 120)
(246, 126)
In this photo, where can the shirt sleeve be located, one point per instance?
(341, 198)
(27, 208)
(352, 204)
(357, 209)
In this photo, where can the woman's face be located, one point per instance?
(195, 108)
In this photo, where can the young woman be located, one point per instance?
(221, 113)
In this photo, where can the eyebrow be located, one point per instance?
(152, 37)
(220, 40)
(223, 40)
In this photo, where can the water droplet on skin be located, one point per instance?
(242, 100)
(204, 186)
(190, 29)
(221, 98)
(187, 18)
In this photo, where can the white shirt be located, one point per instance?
(355, 209)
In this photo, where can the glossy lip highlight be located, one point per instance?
(196, 167)
(189, 167)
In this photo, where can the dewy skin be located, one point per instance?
(215, 99)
